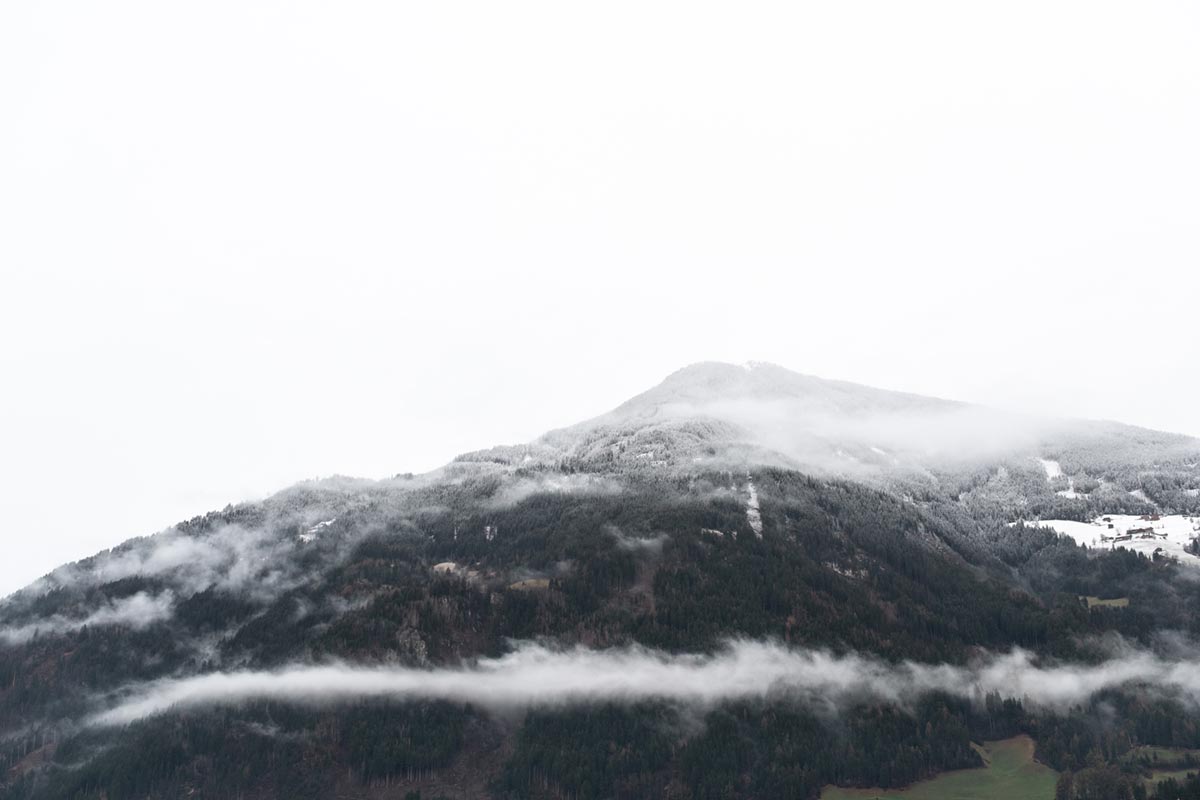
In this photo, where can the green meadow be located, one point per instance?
(1159, 775)
(1165, 762)
(1116, 602)
(1010, 772)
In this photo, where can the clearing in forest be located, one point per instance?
(1010, 772)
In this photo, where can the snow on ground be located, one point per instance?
(753, 515)
(1053, 468)
(311, 534)
(1140, 495)
(1171, 533)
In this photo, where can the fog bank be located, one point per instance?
(536, 676)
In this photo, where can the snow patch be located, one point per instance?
(1140, 495)
(1142, 534)
(1053, 468)
(1069, 492)
(753, 515)
(310, 535)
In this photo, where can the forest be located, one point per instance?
(667, 562)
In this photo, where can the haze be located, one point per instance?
(247, 243)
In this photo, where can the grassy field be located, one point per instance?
(1159, 775)
(1165, 756)
(1118, 602)
(1165, 762)
(531, 585)
(1010, 773)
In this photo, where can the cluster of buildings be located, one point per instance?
(1137, 532)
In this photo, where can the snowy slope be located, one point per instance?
(1171, 534)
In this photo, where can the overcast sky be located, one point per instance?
(245, 243)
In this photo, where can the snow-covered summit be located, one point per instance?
(714, 414)
(711, 382)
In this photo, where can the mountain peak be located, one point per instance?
(758, 412)
(721, 414)
(715, 382)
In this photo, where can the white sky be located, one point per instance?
(244, 243)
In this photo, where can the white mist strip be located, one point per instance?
(533, 676)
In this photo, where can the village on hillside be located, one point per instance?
(1165, 535)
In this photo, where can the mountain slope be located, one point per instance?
(725, 503)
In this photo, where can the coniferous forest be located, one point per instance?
(456, 571)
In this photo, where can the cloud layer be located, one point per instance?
(535, 676)
(137, 611)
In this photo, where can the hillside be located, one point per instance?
(727, 520)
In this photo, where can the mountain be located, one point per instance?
(725, 416)
(330, 640)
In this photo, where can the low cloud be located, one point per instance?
(231, 557)
(513, 492)
(536, 676)
(259, 561)
(137, 611)
(638, 544)
(854, 440)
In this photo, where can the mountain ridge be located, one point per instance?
(717, 413)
